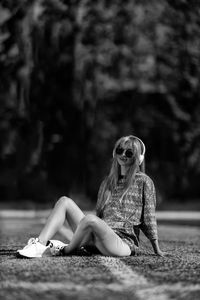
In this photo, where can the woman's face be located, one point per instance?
(125, 154)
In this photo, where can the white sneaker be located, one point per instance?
(33, 249)
(56, 247)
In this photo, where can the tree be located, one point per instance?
(76, 75)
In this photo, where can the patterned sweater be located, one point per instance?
(134, 211)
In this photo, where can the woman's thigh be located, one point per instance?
(112, 245)
(106, 240)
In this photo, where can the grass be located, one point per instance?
(176, 276)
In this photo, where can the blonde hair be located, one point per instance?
(110, 182)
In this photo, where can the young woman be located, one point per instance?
(126, 203)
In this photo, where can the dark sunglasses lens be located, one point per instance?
(119, 151)
(129, 153)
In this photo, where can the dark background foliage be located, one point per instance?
(77, 75)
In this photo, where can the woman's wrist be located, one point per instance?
(155, 246)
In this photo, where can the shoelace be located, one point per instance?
(31, 241)
(57, 249)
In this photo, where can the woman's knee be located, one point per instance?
(64, 201)
(90, 220)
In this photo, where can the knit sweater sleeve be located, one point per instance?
(149, 223)
(99, 203)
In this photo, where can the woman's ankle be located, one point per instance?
(44, 243)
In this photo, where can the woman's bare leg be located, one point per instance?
(104, 238)
(65, 208)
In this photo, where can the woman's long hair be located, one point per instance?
(110, 182)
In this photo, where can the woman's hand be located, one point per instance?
(156, 248)
(160, 253)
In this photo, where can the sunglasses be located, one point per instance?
(128, 152)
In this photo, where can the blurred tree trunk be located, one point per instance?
(84, 95)
(25, 29)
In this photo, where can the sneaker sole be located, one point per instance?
(19, 255)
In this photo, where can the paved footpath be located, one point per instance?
(145, 276)
(165, 215)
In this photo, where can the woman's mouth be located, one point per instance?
(123, 159)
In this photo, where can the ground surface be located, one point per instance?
(145, 276)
